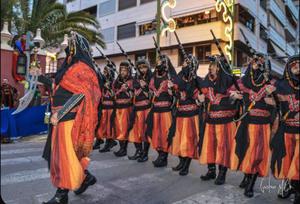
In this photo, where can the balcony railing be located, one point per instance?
(277, 11)
(291, 6)
(276, 38)
(290, 50)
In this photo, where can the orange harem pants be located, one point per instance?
(257, 157)
(122, 123)
(161, 125)
(137, 134)
(105, 131)
(66, 169)
(186, 138)
(290, 163)
(217, 144)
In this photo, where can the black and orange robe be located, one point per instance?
(72, 138)
(142, 105)
(106, 129)
(123, 105)
(220, 129)
(286, 142)
(251, 152)
(161, 120)
(186, 138)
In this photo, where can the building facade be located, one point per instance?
(270, 25)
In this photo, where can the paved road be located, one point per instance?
(25, 180)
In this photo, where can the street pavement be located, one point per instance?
(25, 180)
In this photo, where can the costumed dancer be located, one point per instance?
(184, 132)
(160, 117)
(285, 143)
(123, 88)
(251, 152)
(106, 129)
(219, 129)
(141, 108)
(70, 139)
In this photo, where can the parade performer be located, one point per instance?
(251, 152)
(123, 88)
(160, 117)
(105, 128)
(141, 108)
(184, 133)
(70, 138)
(285, 143)
(217, 141)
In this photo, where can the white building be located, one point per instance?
(270, 26)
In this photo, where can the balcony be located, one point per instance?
(292, 8)
(277, 12)
(290, 50)
(290, 32)
(276, 38)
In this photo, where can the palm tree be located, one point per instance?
(51, 17)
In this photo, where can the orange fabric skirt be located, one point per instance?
(66, 169)
(290, 163)
(185, 141)
(161, 125)
(105, 131)
(257, 157)
(217, 144)
(122, 123)
(137, 134)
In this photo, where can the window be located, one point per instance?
(246, 18)
(203, 52)
(241, 57)
(140, 56)
(263, 33)
(124, 4)
(107, 7)
(263, 4)
(147, 28)
(91, 10)
(188, 50)
(126, 31)
(200, 18)
(146, 1)
(108, 34)
(277, 25)
(152, 58)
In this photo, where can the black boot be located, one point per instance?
(155, 162)
(296, 186)
(180, 165)
(286, 191)
(138, 152)
(211, 174)
(97, 143)
(144, 156)
(88, 181)
(186, 165)
(163, 161)
(60, 197)
(221, 176)
(106, 147)
(245, 181)
(112, 143)
(249, 188)
(123, 149)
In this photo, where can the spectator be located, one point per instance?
(8, 94)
